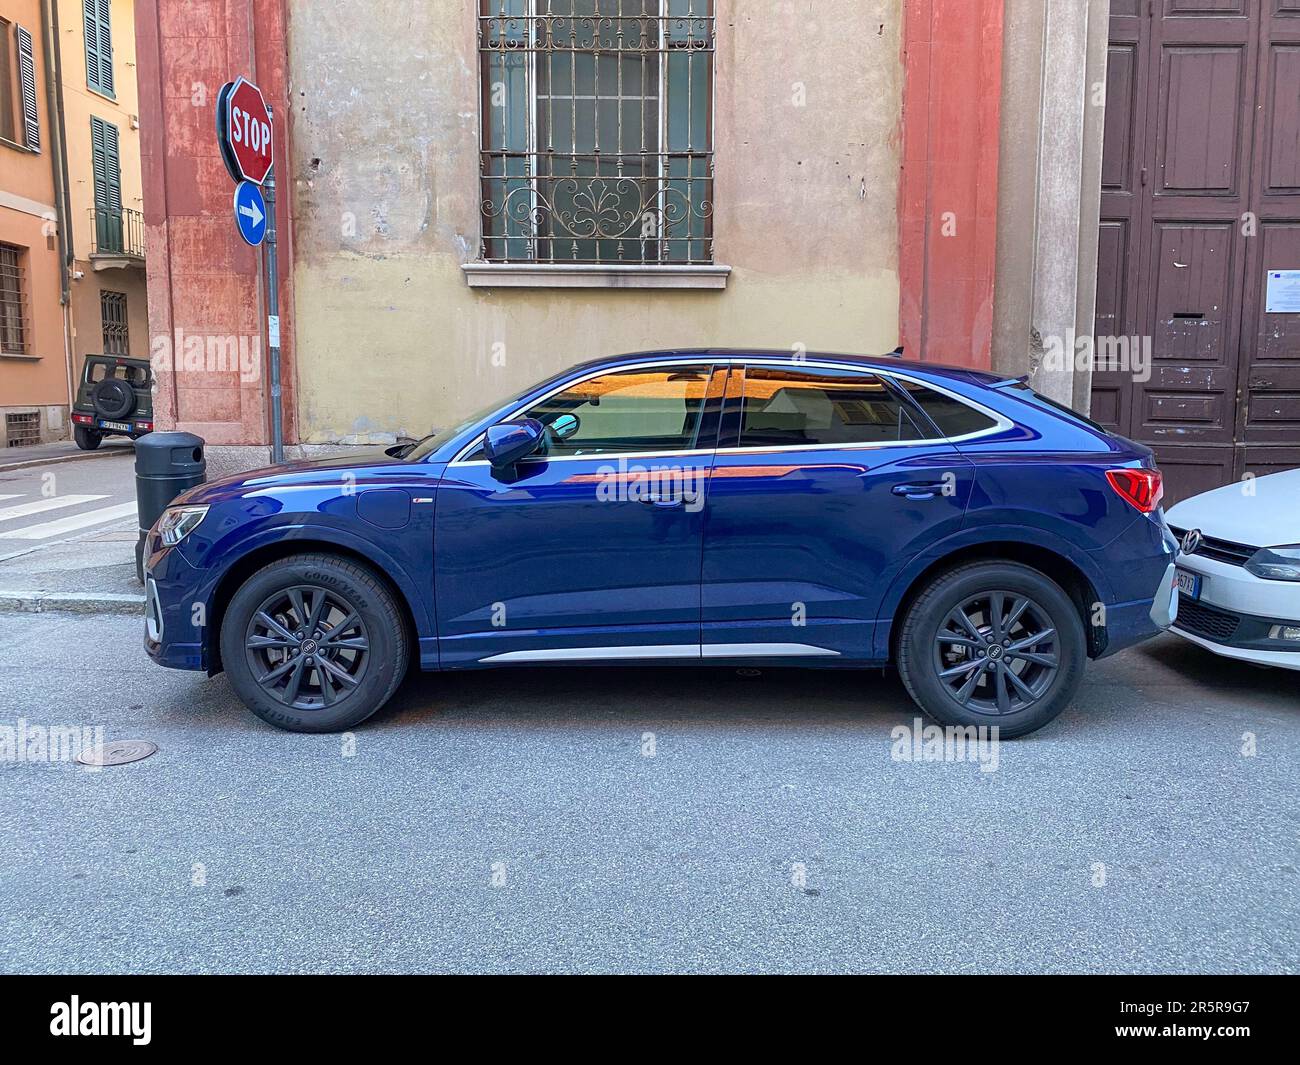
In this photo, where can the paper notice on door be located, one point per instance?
(1283, 295)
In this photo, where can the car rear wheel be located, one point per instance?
(314, 643)
(993, 643)
(87, 439)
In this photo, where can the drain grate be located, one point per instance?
(119, 752)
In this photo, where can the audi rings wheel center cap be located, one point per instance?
(995, 651)
(309, 647)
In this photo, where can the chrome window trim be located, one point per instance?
(1002, 423)
(712, 363)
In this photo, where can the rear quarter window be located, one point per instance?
(951, 416)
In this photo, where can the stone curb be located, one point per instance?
(25, 602)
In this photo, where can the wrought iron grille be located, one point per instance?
(597, 134)
(117, 231)
(13, 320)
(22, 428)
(112, 316)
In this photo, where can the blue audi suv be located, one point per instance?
(714, 507)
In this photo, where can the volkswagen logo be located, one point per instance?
(1191, 541)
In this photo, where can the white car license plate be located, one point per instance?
(124, 427)
(1189, 584)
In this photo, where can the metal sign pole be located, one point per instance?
(273, 316)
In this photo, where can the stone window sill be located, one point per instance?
(575, 275)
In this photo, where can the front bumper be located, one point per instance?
(175, 609)
(1237, 612)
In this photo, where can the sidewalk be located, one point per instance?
(18, 458)
(95, 575)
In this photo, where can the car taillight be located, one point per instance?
(83, 419)
(1142, 489)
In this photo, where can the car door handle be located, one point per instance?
(654, 499)
(918, 491)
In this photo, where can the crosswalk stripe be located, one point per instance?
(41, 505)
(10, 495)
(64, 526)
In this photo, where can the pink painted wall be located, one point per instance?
(952, 53)
(203, 279)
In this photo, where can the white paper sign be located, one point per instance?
(1283, 292)
(273, 328)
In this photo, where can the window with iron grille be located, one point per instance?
(597, 133)
(112, 314)
(13, 321)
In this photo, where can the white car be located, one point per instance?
(1239, 569)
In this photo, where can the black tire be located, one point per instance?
(977, 690)
(344, 587)
(87, 439)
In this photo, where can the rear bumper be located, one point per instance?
(1140, 560)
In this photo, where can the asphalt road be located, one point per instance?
(41, 505)
(605, 859)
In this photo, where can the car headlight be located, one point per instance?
(178, 522)
(1276, 563)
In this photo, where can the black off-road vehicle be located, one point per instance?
(115, 398)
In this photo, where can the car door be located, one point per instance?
(591, 550)
(826, 481)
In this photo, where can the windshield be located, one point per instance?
(435, 440)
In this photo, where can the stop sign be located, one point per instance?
(245, 126)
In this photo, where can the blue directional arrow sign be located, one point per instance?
(250, 213)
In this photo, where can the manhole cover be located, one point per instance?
(119, 752)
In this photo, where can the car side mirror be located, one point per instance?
(565, 426)
(507, 442)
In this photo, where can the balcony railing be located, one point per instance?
(117, 233)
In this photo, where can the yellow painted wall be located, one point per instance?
(80, 102)
(390, 338)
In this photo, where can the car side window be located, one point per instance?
(653, 409)
(952, 416)
(790, 408)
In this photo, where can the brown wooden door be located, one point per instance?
(1200, 196)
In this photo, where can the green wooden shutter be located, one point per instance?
(106, 168)
(99, 45)
(27, 82)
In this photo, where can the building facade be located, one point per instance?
(72, 279)
(33, 353)
(474, 194)
(101, 119)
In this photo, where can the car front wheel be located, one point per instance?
(993, 643)
(314, 643)
(87, 439)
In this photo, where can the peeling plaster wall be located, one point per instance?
(384, 160)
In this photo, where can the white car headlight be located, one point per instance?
(178, 522)
(1276, 563)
